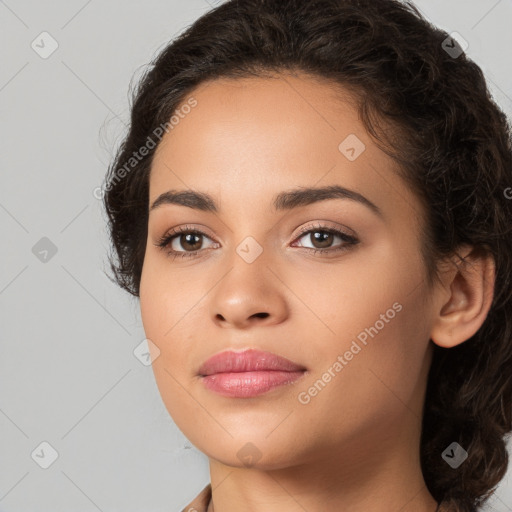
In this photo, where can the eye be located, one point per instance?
(188, 238)
(322, 238)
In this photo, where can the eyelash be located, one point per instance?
(166, 240)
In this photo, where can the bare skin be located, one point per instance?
(354, 445)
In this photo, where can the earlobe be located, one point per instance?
(462, 304)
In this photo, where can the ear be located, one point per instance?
(463, 300)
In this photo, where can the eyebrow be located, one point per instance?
(283, 201)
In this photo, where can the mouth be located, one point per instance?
(248, 374)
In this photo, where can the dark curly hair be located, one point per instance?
(453, 145)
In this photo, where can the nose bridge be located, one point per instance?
(248, 263)
(249, 237)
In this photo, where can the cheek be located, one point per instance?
(350, 295)
(166, 313)
(166, 296)
(374, 317)
(160, 313)
(173, 308)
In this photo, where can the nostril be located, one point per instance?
(261, 315)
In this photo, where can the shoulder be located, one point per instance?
(201, 501)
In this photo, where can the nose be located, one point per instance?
(249, 294)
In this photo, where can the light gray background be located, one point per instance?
(68, 372)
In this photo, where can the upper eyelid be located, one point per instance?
(187, 229)
(325, 226)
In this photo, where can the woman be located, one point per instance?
(311, 204)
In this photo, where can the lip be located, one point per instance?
(248, 373)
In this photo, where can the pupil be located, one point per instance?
(323, 238)
(189, 242)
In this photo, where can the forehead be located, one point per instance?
(247, 138)
(262, 114)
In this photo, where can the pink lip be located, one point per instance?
(249, 373)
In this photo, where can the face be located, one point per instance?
(332, 281)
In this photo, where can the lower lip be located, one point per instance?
(248, 384)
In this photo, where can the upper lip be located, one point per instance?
(247, 361)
